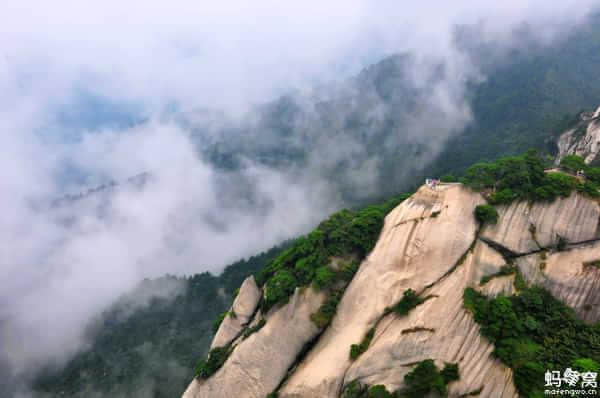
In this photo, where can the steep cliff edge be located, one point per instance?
(240, 314)
(258, 364)
(430, 244)
(407, 255)
(443, 330)
(525, 227)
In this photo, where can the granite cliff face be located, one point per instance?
(240, 314)
(402, 259)
(432, 244)
(259, 363)
(583, 139)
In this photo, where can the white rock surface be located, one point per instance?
(451, 336)
(574, 218)
(587, 146)
(566, 277)
(259, 363)
(413, 251)
(240, 313)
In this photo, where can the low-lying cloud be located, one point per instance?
(80, 254)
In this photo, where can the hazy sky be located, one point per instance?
(84, 87)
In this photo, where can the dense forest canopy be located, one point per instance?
(532, 332)
(526, 177)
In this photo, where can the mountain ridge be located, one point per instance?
(430, 244)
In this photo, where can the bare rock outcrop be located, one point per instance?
(259, 363)
(583, 140)
(443, 330)
(430, 243)
(421, 241)
(240, 314)
(524, 227)
(572, 276)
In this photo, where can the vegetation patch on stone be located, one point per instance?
(325, 277)
(253, 329)
(561, 244)
(215, 359)
(423, 380)
(533, 332)
(486, 214)
(524, 177)
(322, 318)
(505, 270)
(356, 389)
(519, 283)
(409, 300)
(593, 263)
(346, 233)
(357, 349)
(217, 323)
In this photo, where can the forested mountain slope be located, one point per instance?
(472, 288)
(527, 99)
(149, 350)
(388, 128)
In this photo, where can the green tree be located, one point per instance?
(486, 214)
(424, 379)
(280, 287)
(324, 278)
(573, 163)
(409, 300)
